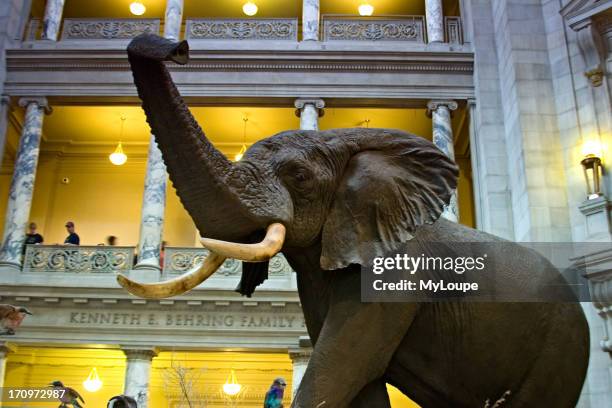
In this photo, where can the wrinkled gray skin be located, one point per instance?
(339, 189)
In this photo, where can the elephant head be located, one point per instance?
(338, 188)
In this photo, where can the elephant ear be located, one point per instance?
(386, 192)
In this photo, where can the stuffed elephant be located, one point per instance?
(319, 198)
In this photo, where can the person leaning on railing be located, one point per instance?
(72, 238)
(32, 237)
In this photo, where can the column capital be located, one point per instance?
(41, 101)
(145, 353)
(471, 102)
(318, 103)
(434, 104)
(300, 354)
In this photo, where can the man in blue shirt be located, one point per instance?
(72, 238)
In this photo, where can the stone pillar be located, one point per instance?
(299, 357)
(440, 112)
(153, 207)
(309, 111)
(173, 19)
(310, 20)
(435, 21)
(22, 184)
(52, 19)
(5, 349)
(4, 119)
(138, 373)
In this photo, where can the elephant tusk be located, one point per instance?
(176, 286)
(266, 249)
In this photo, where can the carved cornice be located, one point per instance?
(579, 12)
(223, 59)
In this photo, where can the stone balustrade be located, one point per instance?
(402, 28)
(271, 29)
(78, 259)
(107, 29)
(453, 31)
(178, 260)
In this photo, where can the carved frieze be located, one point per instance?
(78, 259)
(104, 29)
(179, 260)
(242, 29)
(408, 29)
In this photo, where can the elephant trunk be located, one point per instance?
(198, 171)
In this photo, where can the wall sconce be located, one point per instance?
(591, 165)
(365, 9)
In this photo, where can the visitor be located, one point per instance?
(162, 252)
(111, 240)
(72, 238)
(122, 401)
(32, 237)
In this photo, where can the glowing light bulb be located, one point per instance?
(231, 386)
(249, 8)
(93, 382)
(365, 9)
(591, 148)
(118, 157)
(240, 154)
(137, 8)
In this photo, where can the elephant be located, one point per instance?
(319, 197)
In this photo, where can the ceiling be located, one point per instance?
(233, 8)
(224, 126)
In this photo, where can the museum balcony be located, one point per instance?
(268, 24)
(75, 181)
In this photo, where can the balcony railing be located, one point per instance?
(453, 32)
(78, 259)
(178, 260)
(274, 29)
(400, 28)
(108, 29)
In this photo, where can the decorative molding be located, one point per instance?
(107, 29)
(371, 29)
(453, 31)
(78, 259)
(178, 260)
(242, 29)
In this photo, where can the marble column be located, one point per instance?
(173, 19)
(5, 108)
(309, 111)
(5, 349)
(299, 359)
(22, 184)
(310, 20)
(440, 112)
(153, 207)
(52, 19)
(434, 18)
(138, 373)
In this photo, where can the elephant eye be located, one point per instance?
(300, 176)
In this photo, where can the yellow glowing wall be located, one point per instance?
(208, 371)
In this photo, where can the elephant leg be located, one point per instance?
(355, 345)
(372, 395)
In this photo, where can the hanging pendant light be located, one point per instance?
(249, 8)
(93, 382)
(365, 9)
(118, 157)
(243, 148)
(137, 8)
(231, 386)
